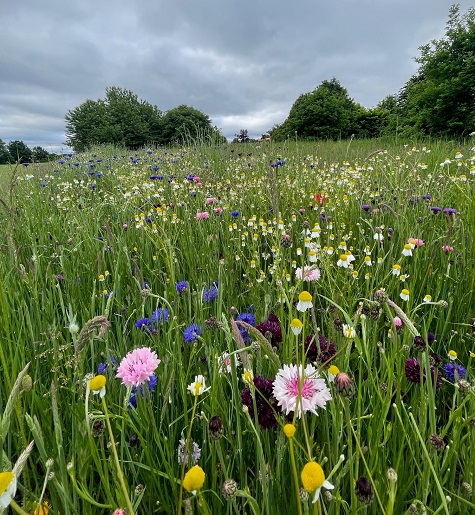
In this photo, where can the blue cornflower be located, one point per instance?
(211, 294)
(160, 315)
(102, 367)
(181, 286)
(142, 323)
(454, 372)
(235, 214)
(191, 333)
(250, 319)
(151, 383)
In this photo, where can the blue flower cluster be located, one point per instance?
(211, 293)
(151, 384)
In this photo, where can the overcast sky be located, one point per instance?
(243, 63)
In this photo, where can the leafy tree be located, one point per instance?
(40, 155)
(4, 154)
(372, 123)
(439, 99)
(19, 152)
(121, 119)
(242, 137)
(325, 113)
(184, 124)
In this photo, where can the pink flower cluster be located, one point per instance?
(308, 273)
(202, 216)
(137, 367)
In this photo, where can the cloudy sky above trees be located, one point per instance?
(242, 63)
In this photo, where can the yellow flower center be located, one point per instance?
(334, 370)
(312, 476)
(305, 297)
(194, 479)
(344, 257)
(296, 323)
(289, 430)
(5, 479)
(198, 387)
(452, 354)
(97, 382)
(405, 292)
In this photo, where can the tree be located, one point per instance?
(185, 124)
(439, 99)
(121, 119)
(4, 154)
(19, 152)
(325, 113)
(40, 155)
(242, 137)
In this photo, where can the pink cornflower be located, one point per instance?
(416, 242)
(447, 248)
(202, 216)
(308, 273)
(137, 367)
(300, 390)
(196, 179)
(210, 200)
(218, 210)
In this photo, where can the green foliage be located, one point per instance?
(40, 155)
(4, 154)
(325, 113)
(439, 99)
(19, 152)
(185, 124)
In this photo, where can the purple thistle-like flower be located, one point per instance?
(454, 372)
(266, 403)
(319, 349)
(271, 326)
(413, 373)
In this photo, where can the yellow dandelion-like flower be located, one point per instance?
(194, 479)
(452, 355)
(289, 430)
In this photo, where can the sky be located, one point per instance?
(243, 63)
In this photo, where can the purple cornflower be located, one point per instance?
(365, 207)
(427, 196)
(235, 214)
(191, 333)
(142, 323)
(450, 211)
(181, 286)
(454, 372)
(211, 294)
(321, 352)
(266, 403)
(271, 327)
(160, 315)
(436, 209)
(412, 370)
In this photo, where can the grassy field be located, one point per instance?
(244, 329)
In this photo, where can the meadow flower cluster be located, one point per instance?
(240, 329)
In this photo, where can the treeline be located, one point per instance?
(121, 118)
(18, 152)
(439, 100)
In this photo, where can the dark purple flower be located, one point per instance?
(266, 403)
(436, 209)
(427, 196)
(365, 207)
(271, 327)
(413, 373)
(454, 372)
(321, 352)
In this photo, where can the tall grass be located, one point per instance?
(95, 244)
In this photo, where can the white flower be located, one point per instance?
(8, 485)
(198, 386)
(305, 301)
(349, 331)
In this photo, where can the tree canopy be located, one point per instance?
(439, 100)
(122, 119)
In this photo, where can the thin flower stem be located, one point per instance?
(120, 474)
(185, 455)
(296, 477)
(14, 506)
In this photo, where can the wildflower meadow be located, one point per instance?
(252, 328)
